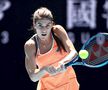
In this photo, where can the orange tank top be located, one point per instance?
(52, 57)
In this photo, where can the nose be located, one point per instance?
(44, 30)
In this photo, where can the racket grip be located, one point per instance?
(71, 62)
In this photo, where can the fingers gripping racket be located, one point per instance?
(97, 47)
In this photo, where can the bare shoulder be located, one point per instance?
(60, 31)
(29, 45)
(58, 28)
(30, 42)
(63, 36)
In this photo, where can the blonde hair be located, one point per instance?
(40, 13)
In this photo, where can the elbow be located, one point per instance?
(33, 80)
(33, 77)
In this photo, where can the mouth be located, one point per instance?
(43, 34)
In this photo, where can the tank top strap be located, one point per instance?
(34, 37)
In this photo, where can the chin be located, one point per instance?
(44, 37)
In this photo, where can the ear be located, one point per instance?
(34, 27)
(53, 22)
(34, 24)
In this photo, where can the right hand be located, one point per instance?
(51, 70)
(61, 68)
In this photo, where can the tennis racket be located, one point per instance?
(97, 47)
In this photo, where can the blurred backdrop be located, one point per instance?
(80, 18)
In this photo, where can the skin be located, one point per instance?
(43, 27)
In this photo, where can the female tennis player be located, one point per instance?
(46, 50)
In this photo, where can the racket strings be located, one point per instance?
(98, 54)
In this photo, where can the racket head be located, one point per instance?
(97, 47)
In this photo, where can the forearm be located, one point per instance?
(69, 57)
(34, 73)
(37, 74)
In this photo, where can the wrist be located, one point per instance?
(43, 71)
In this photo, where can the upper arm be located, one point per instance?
(63, 36)
(29, 49)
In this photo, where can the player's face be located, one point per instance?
(43, 28)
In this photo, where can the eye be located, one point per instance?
(39, 25)
(48, 25)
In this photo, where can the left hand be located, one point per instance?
(51, 70)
